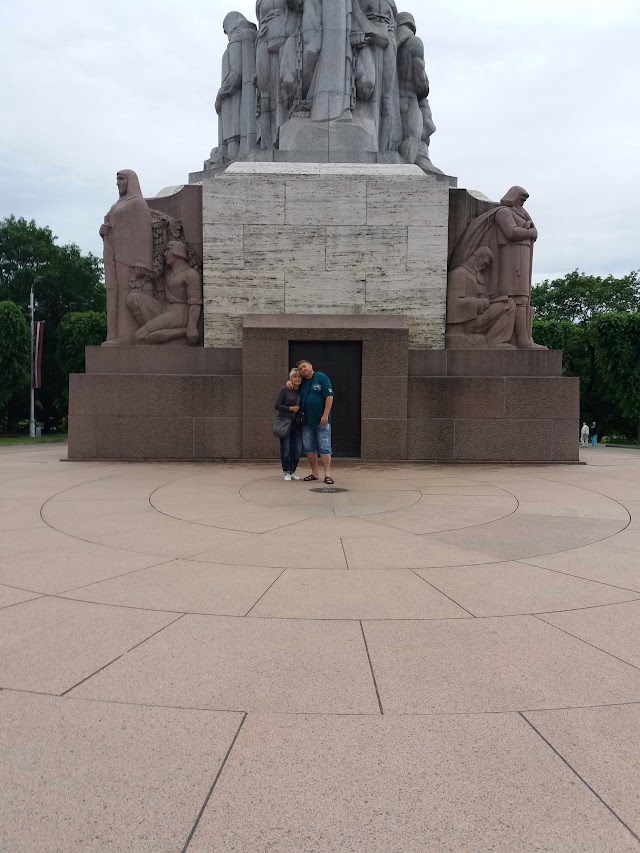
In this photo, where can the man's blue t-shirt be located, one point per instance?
(313, 393)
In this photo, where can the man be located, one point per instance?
(316, 395)
(176, 316)
(474, 320)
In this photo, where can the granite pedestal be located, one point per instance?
(430, 405)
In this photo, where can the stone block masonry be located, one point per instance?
(313, 238)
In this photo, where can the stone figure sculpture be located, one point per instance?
(175, 313)
(344, 74)
(128, 255)
(145, 302)
(378, 61)
(509, 232)
(236, 98)
(413, 84)
(277, 69)
(475, 320)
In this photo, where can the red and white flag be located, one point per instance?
(38, 336)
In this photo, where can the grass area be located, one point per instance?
(24, 439)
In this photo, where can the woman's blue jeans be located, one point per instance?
(291, 451)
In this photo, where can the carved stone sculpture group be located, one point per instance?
(489, 285)
(354, 65)
(152, 277)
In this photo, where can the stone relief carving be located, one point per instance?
(508, 231)
(349, 71)
(475, 320)
(175, 312)
(152, 276)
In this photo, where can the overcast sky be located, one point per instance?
(544, 94)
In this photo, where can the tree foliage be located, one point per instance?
(578, 297)
(76, 331)
(616, 340)
(64, 281)
(15, 354)
(596, 322)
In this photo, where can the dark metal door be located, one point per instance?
(342, 362)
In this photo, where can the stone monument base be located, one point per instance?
(415, 405)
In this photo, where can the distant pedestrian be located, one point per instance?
(593, 434)
(584, 434)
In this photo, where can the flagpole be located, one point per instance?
(32, 410)
(32, 407)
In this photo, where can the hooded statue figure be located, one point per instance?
(510, 234)
(474, 319)
(236, 99)
(128, 255)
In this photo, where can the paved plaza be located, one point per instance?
(203, 657)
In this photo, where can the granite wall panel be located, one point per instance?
(503, 440)
(82, 437)
(384, 439)
(542, 398)
(386, 356)
(430, 439)
(565, 441)
(151, 438)
(217, 438)
(384, 396)
(259, 394)
(258, 440)
(453, 397)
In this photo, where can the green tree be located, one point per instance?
(64, 281)
(67, 279)
(15, 359)
(578, 297)
(76, 331)
(616, 339)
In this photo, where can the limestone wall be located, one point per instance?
(325, 239)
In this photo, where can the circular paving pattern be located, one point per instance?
(460, 619)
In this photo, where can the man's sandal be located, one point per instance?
(329, 481)
(309, 478)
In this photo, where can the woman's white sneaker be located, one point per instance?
(288, 478)
(295, 477)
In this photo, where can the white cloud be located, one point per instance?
(543, 97)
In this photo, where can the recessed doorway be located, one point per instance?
(342, 362)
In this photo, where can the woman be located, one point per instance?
(288, 406)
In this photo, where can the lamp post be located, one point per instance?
(32, 410)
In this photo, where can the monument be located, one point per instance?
(319, 227)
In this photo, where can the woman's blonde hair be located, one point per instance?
(294, 373)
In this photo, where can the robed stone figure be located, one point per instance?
(236, 98)
(128, 255)
(509, 232)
